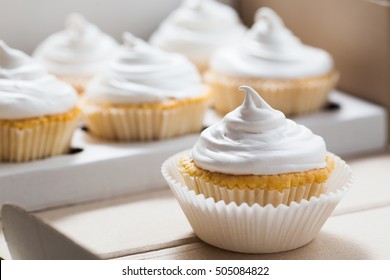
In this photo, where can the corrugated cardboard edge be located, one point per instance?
(29, 237)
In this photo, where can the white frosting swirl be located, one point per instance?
(197, 28)
(81, 49)
(140, 73)
(15, 64)
(256, 139)
(271, 51)
(27, 91)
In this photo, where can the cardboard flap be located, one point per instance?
(29, 237)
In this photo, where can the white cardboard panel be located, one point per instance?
(124, 226)
(107, 169)
(371, 184)
(30, 238)
(4, 252)
(358, 127)
(102, 170)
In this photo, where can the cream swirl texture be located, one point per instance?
(140, 73)
(15, 64)
(255, 139)
(197, 28)
(27, 91)
(79, 49)
(270, 50)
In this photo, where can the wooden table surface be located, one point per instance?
(152, 225)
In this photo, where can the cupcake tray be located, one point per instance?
(97, 170)
(93, 170)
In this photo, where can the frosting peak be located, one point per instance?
(77, 26)
(193, 4)
(255, 139)
(80, 49)
(253, 110)
(15, 64)
(27, 91)
(8, 55)
(271, 38)
(253, 99)
(130, 41)
(197, 28)
(139, 73)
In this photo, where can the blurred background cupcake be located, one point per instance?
(145, 94)
(197, 28)
(38, 112)
(77, 53)
(292, 77)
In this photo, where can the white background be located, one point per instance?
(303, 269)
(25, 23)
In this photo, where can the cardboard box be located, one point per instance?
(355, 32)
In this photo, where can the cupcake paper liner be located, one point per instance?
(256, 228)
(36, 142)
(292, 97)
(259, 196)
(128, 124)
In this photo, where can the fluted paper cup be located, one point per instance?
(134, 124)
(38, 138)
(255, 228)
(292, 97)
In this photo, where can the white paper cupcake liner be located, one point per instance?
(131, 124)
(257, 229)
(36, 142)
(292, 97)
(248, 196)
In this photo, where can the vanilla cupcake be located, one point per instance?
(38, 112)
(256, 155)
(256, 181)
(292, 77)
(145, 94)
(76, 54)
(197, 28)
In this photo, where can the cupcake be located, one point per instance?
(76, 54)
(257, 182)
(292, 77)
(38, 112)
(197, 28)
(145, 94)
